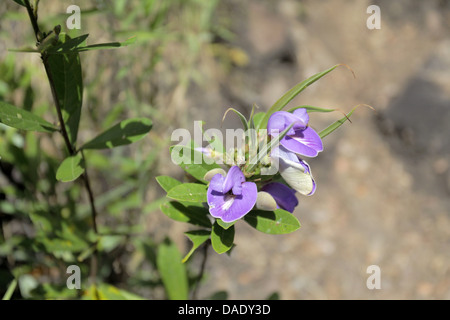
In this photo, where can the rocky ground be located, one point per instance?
(383, 194)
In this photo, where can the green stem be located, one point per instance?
(202, 271)
(10, 291)
(71, 149)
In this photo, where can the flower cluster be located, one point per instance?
(230, 196)
(257, 180)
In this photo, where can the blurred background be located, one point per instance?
(383, 194)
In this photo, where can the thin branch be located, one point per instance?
(32, 13)
(202, 271)
(87, 184)
(33, 19)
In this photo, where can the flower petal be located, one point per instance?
(266, 202)
(230, 208)
(216, 183)
(234, 180)
(295, 172)
(283, 195)
(280, 120)
(305, 142)
(211, 173)
(302, 114)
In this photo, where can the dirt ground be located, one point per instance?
(383, 194)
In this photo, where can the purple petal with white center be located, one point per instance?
(229, 207)
(283, 195)
(230, 198)
(305, 142)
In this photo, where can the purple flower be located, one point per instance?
(294, 171)
(230, 197)
(283, 195)
(300, 139)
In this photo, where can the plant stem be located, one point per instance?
(202, 271)
(87, 184)
(71, 149)
(33, 19)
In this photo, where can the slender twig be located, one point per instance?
(202, 271)
(32, 13)
(87, 184)
(33, 19)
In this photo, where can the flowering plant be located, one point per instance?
(255, 181)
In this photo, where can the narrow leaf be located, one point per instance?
(66, 75)
(109, 45)
(339, 122)
(222, 239)
(75, 46)
(273, 222)
(108, 292)
(22, 119)
(70, 169)
(172, 271)
(189, 192)
(241, 117)
(123, 133)
(20, 2)
(312, 109)
(12, 286)
(257, 119)
(69, 45)
(197, 237)
(292, 93)
(25, 49)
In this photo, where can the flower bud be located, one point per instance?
(265, 201)
(210, 174)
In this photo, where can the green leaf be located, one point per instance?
(222, 239)
(108, 292)
(69, 45)
(123, 133)
(240, 115)
(273, 222)
(65, 73)
(75, 46)
(22, 119)
(198, 237)
(12, 286)
(186, 159)
(291, 94)
(339, 122)
(25, 49)
(189, 192)
(225, 225)
(257, 119)
(312, 109)
(167, 183)
(71, 168)
(20, 2)
(172, 271)
(189, 213)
